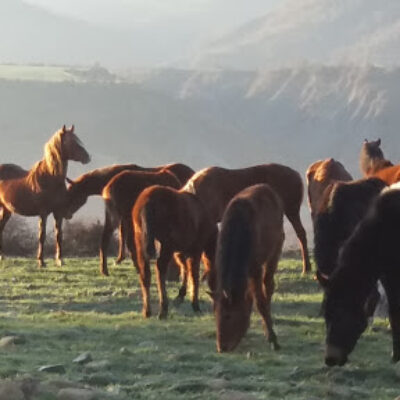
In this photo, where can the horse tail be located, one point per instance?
(146, 232)
(234, 248)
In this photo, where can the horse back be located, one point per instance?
(12, 171)
(216, 186)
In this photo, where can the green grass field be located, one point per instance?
(62, 312)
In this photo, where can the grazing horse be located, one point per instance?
(179, 221)
(119, 196)
(248, 251)
(319, 176)
(371, 253)
(216, 186)
(371, 158)
(342, 207)
(93, 183)
(41, 191)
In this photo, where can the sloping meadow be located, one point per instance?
(57, 314)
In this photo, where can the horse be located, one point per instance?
(119, 196)
(319, 176)
(371, 253)
(93, 183)
(216, 186)
(248, 250)
(373, 163)
(342, 207)
(41, 190)
(178, 220)
(372, 158)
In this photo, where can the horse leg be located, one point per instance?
(180, 259)
(193, 266)
(4, 217)
(42, 238)
(393, 298)
(58, 231)
(108, 229)
(208, 259)
(129, 239)
(121, 242)
(301, 234)
(161, 268)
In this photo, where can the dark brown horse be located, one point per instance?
(216, 186)
(342, 207)
(119, 196)
(319, 176)
(93, 183)
(371, 253)
(180, 223)
(248, 251)
(41, 190)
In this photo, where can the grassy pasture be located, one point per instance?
(62, 312)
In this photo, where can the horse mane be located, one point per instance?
(51, 164)
(234, 249)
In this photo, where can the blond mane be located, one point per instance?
(52, 163)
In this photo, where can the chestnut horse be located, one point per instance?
(119, 196)
(248, 251)
(371, 253)
(319, 176)
(179, 221)
(93, 183)
(372, 158)
(373, 163)
(216, 186)
(41, 191)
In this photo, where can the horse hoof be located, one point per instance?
(104, 272)
(178, 300)
(41, 264)
(59, 263)
(118, 261)
(395, 358)
(163, 314)
(196, 308)
(275, 346)
(146, 313)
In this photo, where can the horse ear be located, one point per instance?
(378, 142)
(365, 140)
(72, 128)
(63, 128)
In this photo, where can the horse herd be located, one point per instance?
(232, 220)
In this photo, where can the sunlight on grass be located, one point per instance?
(62, 312)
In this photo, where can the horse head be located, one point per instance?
(72, 147)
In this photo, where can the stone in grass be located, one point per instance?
(83, 358)
(52, 368)
(124, 351)
(94, 366)
(76, 394)
(218, 383)
(7, 342)
(11, 390)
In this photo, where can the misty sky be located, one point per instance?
(185, 25)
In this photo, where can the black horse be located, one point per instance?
(371, 253)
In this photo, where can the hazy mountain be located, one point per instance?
(322, 31)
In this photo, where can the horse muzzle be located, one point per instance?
(335, 356)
